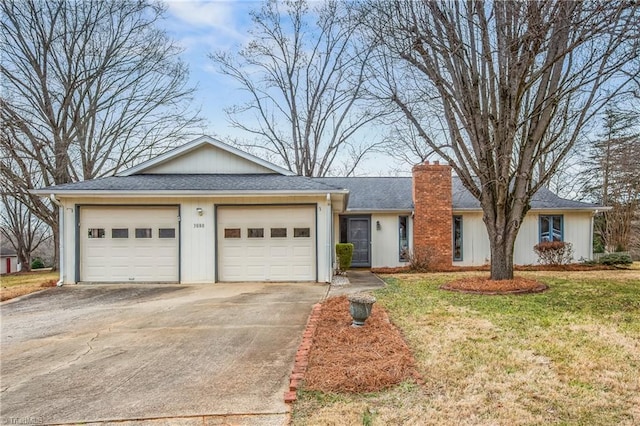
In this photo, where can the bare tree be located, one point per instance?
(88, 87)
(23, 230)
(612, 177)
(514, 82)
(304, 74)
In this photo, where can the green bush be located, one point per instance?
(616, 259)
(344, 251)
(37, 263)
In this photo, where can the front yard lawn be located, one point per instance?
(21, 283)
(570, 355)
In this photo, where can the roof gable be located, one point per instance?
(205, 155)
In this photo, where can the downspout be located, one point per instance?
(55, 201)
(329, 239)
(593, 215)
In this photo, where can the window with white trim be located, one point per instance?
(403, 238)
(457, 238)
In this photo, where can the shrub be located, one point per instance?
(554, 252)
(37, 263)
(421, 260)
(344, 252)
(616, 259)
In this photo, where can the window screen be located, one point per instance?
(255, 232)
(166, 233)
(120, 233)
(232, 232)
(278, 232)
(457, 238)
(143, 233)
(301, 232)
(403, 240)
(96, 232)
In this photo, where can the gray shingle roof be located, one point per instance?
(395, 193)
(197, 182)
(365, 193)
(7, 252)
(375, 193)
(543, 199)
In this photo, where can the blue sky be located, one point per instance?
(204, 26)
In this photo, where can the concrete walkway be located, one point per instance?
(360, 280)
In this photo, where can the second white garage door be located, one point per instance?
(274, 243)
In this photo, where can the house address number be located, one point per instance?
(198, 225)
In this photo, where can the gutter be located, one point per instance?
(55, 201)
(184, 193)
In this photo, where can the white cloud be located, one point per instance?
(216, 14)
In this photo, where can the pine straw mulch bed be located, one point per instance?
(481, 285)
(357, 359)
(572, 267)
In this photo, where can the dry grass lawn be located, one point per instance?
(570, 355)
(19, 284)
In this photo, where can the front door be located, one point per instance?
(359, 234)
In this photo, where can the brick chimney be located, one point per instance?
(433, 214)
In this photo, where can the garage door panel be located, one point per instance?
(279, 258)
(300, 270)
(126, 258)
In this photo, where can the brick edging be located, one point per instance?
(302, 356)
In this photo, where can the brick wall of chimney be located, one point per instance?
(433, 213)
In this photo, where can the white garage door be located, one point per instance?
(129, 244)
(276, 243)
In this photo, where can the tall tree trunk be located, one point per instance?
(23, 259)
(502, 228)
(501, 260)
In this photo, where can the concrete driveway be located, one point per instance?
(176, 354)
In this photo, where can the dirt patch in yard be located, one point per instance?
(482, 285)
(7, 293)
(357, 359)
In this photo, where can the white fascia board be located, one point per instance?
(189, 146)
(570, 209)
(378, 211)
(178, 194)
(545, 209)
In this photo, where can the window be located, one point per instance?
(96, 232)
(551, 228)
(403, 240)
(301, 232)
(232, 232)
(119, 233)
(278, 232)
(457, 237)
(166, 233)
(343, 229)
(255, 233)
(143, 232)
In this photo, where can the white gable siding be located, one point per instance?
(208, 159)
